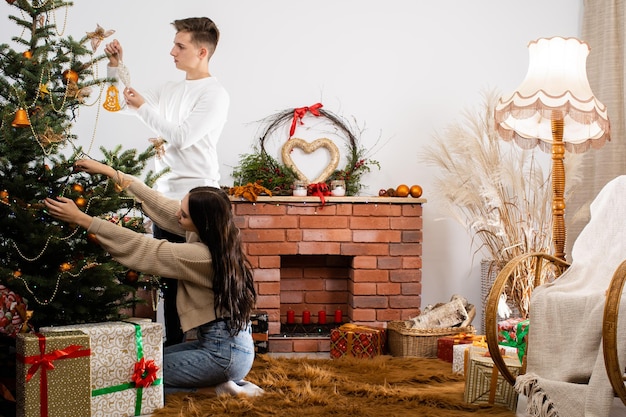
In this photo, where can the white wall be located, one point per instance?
(402, 68)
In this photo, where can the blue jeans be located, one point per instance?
(214, 358)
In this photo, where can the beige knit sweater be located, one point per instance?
(188, 262)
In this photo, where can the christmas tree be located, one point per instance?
(62, 272)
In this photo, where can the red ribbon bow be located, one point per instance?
(45, 362)
(299, 113)
(145, 373)
(320, 190)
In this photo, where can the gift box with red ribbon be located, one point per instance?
(358, 341)
(445, 344)
(53, 374)
(126, 366)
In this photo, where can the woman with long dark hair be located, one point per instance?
(215, 294)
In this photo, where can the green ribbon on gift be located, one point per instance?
(519, 342)
(130, 385)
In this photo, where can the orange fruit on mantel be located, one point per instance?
(402, 190)
(415, 191)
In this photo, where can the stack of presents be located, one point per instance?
(107, 369)
(466, 352)
(115, 368)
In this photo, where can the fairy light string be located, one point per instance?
(73, 234)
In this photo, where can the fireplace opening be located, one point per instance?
(313, 294)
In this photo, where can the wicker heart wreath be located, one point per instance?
(259, 168)
(310, 147)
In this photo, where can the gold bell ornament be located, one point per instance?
(112, 101)
(21, 119)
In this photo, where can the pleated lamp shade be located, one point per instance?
(556, 83)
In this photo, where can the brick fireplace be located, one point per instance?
(359, 255)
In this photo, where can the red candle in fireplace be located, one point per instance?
(291, 317)
(321, 317)
(338, 318)
(306, 317)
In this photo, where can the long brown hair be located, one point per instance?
(210, 210)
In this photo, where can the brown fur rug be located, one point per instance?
(381, 387)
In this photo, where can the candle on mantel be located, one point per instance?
(291, 317)
(306, 317)
(338, 318)
(321, 317)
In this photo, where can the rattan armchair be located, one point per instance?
(543, 267)
(599, 255)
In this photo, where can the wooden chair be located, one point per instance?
(543, 268)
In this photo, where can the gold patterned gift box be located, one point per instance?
(358, 341)
(53, 374)
(126, 366)
(484, 384)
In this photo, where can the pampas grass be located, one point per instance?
(498, 191)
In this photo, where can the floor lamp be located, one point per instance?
(555, 109)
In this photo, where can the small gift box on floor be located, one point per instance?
(53, 374)
(507, 329)
(126, 366)
(483, 382)
(516, 338)
(358, 341)
(446, 343)
(458, 354)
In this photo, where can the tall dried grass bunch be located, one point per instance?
(498, 191)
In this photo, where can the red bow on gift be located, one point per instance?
(299, 113)
(145, 373)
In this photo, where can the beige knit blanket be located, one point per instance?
(565, 373)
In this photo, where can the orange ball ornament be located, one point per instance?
(81, 202)
(27, 54)
(132, 276)
(92, 238)
(65, 266)
(70, 75)
(416, 191)
(78, 188)
(402, 190)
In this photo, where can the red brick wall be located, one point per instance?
(373, 275)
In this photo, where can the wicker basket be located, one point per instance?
(404, 341)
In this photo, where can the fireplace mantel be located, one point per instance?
(379, 238)
(332, 199)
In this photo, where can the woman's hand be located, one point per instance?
(91, 166)
(65, 209)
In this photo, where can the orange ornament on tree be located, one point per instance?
(92, 238)
(81, 202)
(70, 75)
(132, 276)
(78, 188)
(65, 266)
(27, 54)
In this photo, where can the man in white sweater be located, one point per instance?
(188, 117)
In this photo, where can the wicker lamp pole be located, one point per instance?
(555, 109)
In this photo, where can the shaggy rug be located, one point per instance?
(380, 387)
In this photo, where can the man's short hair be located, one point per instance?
(204, 31)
